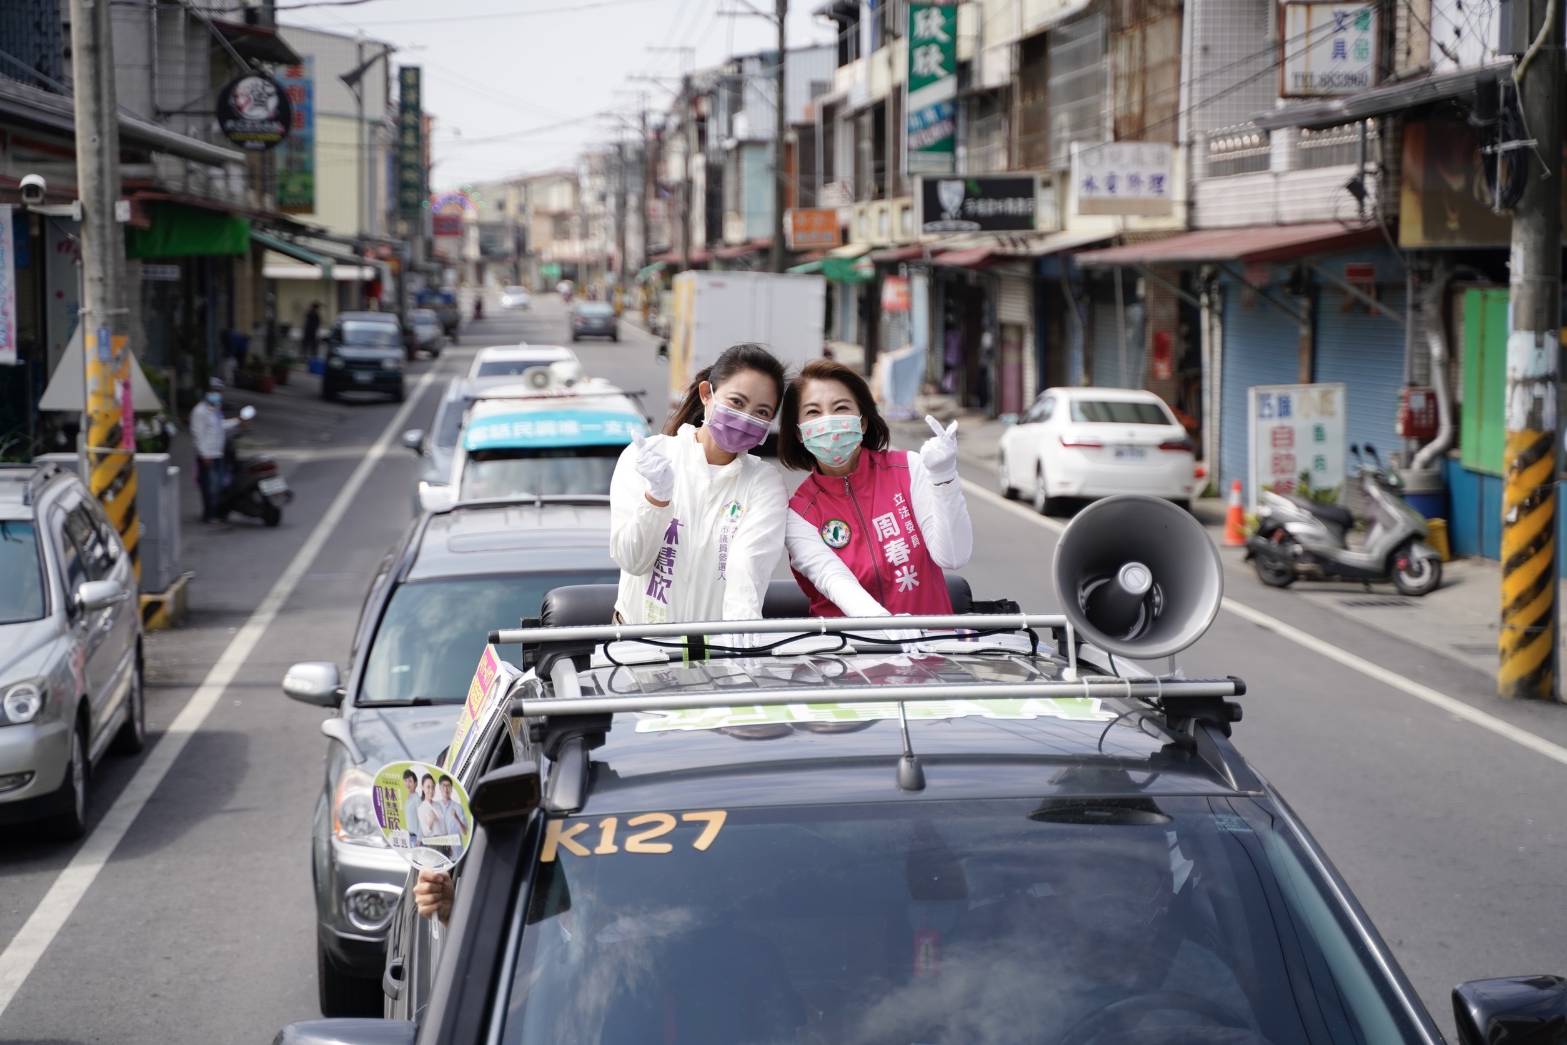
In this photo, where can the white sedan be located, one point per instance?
(1096, 442)
(516, 298)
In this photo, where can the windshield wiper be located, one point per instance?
(411, 702)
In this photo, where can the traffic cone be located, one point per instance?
(1235, 519)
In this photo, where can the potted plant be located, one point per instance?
(282, 363)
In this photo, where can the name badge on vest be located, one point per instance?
(836, 534)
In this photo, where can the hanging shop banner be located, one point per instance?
(7, 287)
(932, 87)
(1124, 178)
(296, 160)
(989, 203)
(254, 113)
(1296, 439)
(812, 228)
(410, 142)
(1327, 49)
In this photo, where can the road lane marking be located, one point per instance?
(1436, 698)
(27, 947)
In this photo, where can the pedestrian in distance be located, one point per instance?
(310, 341)
(871, 530)
(209, 432)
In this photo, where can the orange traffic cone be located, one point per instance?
(1235, 519)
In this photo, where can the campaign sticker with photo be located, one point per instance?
(423, 813)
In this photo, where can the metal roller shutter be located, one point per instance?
(1013, 296)
(1364, 350)
(1261, 347)
(1111, 367)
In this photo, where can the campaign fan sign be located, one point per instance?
(492, 680)
(423, 813)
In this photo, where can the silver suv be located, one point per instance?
(70, 647)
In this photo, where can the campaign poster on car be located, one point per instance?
(423, 813)
(1296, 440)
(482, 692)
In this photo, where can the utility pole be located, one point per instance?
(620, 216)
(108, 429)
(780, 139)
(647, 183)
(1529, 626)
(687, 141)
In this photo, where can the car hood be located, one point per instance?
(390, 734)
(24, 649)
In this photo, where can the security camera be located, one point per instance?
(33, 189)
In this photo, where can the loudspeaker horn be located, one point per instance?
(538, 377)
(1138, 577)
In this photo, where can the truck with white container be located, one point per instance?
(713, 310)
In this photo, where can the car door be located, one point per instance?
(1025, 461)
(109, 633)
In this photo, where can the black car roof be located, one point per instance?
(513, 537)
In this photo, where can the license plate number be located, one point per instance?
(1130, 453)
(270, 487)
(363, 376)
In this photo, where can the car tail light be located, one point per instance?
(1076, 443)
(1178, 445)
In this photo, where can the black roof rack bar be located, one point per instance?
(778, 626)
(526, 501)
(1135, 689)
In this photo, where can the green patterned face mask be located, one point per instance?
(832, 439)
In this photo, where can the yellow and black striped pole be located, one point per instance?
(1528, 638)
(111, 436)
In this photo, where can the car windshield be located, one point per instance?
(596, 310)
(1119, 411)
(514, 291)
(1079, 921)
(509, 367)
(21, 573)
(371, 335)
(544, 470)
(428, 639)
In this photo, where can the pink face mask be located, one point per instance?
(733, 431)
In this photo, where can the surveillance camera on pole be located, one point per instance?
(35, 189)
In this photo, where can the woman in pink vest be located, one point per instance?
(872, 529)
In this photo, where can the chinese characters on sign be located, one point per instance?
(1328, 49)
(254, 113)
(812, 228)
(7, 287)
(1124, 178)
(663, 574)
(410, 142)
(1004, 203)
(296, 162)
(1297, 438)
(895, 532)
(933, 86)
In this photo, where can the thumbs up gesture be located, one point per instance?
(940, 452)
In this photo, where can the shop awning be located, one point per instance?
(968, 258)
(742, 250)
(1381, 101)
(849, 250)
(699, 256)
(807, 268)
(175, 230)
(258, 42)
(284, 271)
(295, 251)
(31, 107)
(1039, 245)
(1254, 243)
(647, 272)
(894, 255)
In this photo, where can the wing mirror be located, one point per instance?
(436, 498)
(348, 1032)
(413, 439)
(663, 350)
(1519, 1010)
(93, 596)
(314, 682)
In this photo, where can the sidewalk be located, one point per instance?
(1458, 621)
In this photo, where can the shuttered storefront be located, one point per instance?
(1019, 369)
(1113, 368)
(1261, 347)
(1364, 350)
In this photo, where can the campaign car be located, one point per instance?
(997, 832)
(420, 632)
(504, 364)
(539, 438)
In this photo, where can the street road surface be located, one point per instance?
(199, 927)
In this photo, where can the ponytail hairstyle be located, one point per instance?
(733, 360)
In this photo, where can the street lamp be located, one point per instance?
(353, 81)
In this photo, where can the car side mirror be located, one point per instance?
(663, 350)
(413, 439)
(93, 596)
(437, 498)
(348, 1032)
(1519, 1010)
(314, 682)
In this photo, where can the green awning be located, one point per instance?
(809, 268)
(847, 270)
(647, 272)
(178, 231)
(295, 251)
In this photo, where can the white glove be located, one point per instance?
(654, 467)
(939, 455)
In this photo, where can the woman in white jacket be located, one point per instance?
(696, 521)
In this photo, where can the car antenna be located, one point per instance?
(911, 775)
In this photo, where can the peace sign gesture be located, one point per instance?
(940, 452)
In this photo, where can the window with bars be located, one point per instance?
(1075, 83)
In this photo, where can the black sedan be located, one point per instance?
(364, 353)
(594, 319)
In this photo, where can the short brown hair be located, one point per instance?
(791, 451)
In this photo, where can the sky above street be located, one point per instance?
(517, 85)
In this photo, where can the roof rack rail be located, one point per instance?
(41, 473)
(536, 500)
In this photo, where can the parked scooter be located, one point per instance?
(1297, 538)
(256, 487)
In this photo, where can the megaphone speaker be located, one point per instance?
(538, 377)
(1138, 577)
